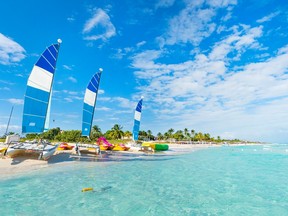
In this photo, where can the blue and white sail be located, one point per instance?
(137, 119)
(90, 103)
(47, 122)
(39, 86)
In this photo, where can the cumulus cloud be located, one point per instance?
(101, 24)
(212, 94)
(194, 22)
(242, 39)
(10, 51)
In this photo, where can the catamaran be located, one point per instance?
(90, 98)
(37, 102)
(137, 119)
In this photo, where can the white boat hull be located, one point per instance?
(48, 152)
(27, 148)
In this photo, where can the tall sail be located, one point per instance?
(47, 121)
(90, 103)
(39, 85)
(137, 118)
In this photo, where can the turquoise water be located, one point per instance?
(249, 180)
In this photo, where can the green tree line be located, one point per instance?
(116, 133)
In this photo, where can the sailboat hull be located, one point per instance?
(27, 149)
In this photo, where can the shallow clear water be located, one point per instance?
(247, 180)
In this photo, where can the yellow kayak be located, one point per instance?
(3, 149)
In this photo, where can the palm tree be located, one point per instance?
(166, 135)
(218, 138)
(178, 135)
(96, 132)
(199, 136)
(160, 136)
(142, 135)
(149, 134)
(207, 136)
(116, 132)
(128, 134)
(186, 132)
(170, 132)
(193, 134)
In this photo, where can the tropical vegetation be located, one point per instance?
(116, 133)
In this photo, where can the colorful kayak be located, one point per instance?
(65, 146)
(156, 146)
(120, 147)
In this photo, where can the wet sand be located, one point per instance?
(10, 167)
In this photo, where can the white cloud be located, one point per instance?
(67, 67)
(72, 79)
(74, 116)
(105, 28)
(117, 103)
(194, 22)
(5, 89)
(72, 93)
(164, 3)
(10, 51)
(268, 17)
(121, 52)
(71, 19)
(7, 82)
(242, 39)
(15, 101)
(12, 128)
(141, 44)
(221, 3)
(209, 94)
(123, 102)
(104, 99)
(102, 108)
(101, 91)
(69, 100)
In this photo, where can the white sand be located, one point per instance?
(16, 166)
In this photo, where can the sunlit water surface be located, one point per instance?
(243, 180)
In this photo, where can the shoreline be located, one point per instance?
(13, 167)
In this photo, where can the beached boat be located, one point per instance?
(90, 103)
(104, 144)
(10, 140)
(65, 146)
(156, 146)
(89, 108)
(3, 149)
(103, 147)
(136, 127)
(43, 150)
(120, 147)
(37, 102)
(137, 119)
(84, 148)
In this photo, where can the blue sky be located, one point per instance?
(219, 67)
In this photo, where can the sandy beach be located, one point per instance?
(16, 166)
